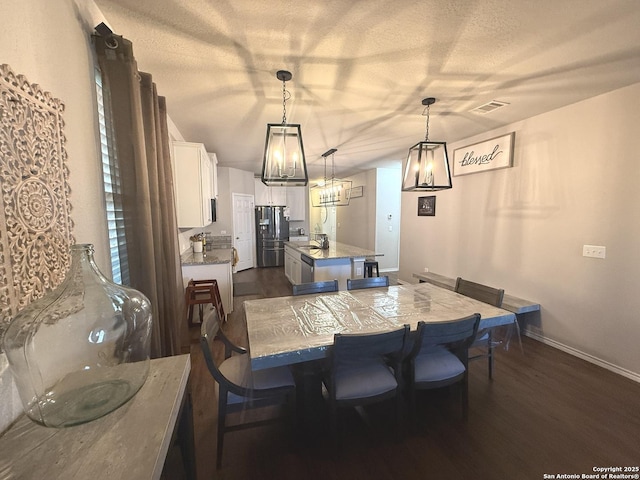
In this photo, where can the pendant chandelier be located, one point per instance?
(333, 192)
(427, 165)
(284, 162)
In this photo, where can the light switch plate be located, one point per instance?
(594, 251)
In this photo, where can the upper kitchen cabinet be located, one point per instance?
(293, 197)
(214, 175)
(269, 195)
(193, 180)
(297, 203)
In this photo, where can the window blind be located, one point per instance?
(112, 189)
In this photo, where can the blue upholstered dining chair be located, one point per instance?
(240, 388)
(439, 357)
(493, 296)
(365, 369)
(368, 282)
(315, 287)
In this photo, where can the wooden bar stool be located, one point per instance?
(201, 293)
(369, 265)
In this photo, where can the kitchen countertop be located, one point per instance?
(211, 257)
(336, 250)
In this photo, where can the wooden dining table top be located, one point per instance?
(289, 330)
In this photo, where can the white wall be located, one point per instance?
(357, 221)
(365, 222)
(387, 217)
(230, 180)
(49, 43)
(574, 182)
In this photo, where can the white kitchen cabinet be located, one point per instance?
(214, 174)
(262, 193)
(192, 173)
(296, 200)
(293, 197)
(265, 195)
(220, 272)
(292, 265)
(279, 195)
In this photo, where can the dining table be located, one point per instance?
(297, 329)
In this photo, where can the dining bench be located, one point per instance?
(516, 305)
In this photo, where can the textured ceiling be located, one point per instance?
(361, 68)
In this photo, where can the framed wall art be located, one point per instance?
(36, 230)
(356, 192)
(489, 154)
(427, 206)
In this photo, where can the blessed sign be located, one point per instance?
(487, 155)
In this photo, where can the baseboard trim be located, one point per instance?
(584, 356)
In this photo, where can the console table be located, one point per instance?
(130, 442)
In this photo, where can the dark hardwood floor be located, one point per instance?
(544, 412)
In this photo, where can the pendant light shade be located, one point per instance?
(284, 162)
(332, 192)
(427, 164)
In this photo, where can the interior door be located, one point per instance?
(243, 236)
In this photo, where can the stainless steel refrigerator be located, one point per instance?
(272, 230)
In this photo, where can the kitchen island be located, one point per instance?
(305, 262)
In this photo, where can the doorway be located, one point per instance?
(243, 234)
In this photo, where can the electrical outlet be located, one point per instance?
(358, 271)
(426, 269)
(594, 251)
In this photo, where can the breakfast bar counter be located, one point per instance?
(307, 262)
(336, 251)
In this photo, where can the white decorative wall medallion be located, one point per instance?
(35, 224)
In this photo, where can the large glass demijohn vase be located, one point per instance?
(82, 350)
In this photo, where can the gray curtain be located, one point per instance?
(139, 121)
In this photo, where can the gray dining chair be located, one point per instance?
(440, 356)
(492, 296)
(315, 287)
(368, 282)
(365, 369)
(240, 388)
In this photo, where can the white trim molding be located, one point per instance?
(584, 356)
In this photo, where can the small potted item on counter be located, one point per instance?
(197, 242)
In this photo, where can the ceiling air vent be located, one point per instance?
(489, 107)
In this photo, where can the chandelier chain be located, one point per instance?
(325, 171)
(333, 173)
(426, 136)
(284, 102)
